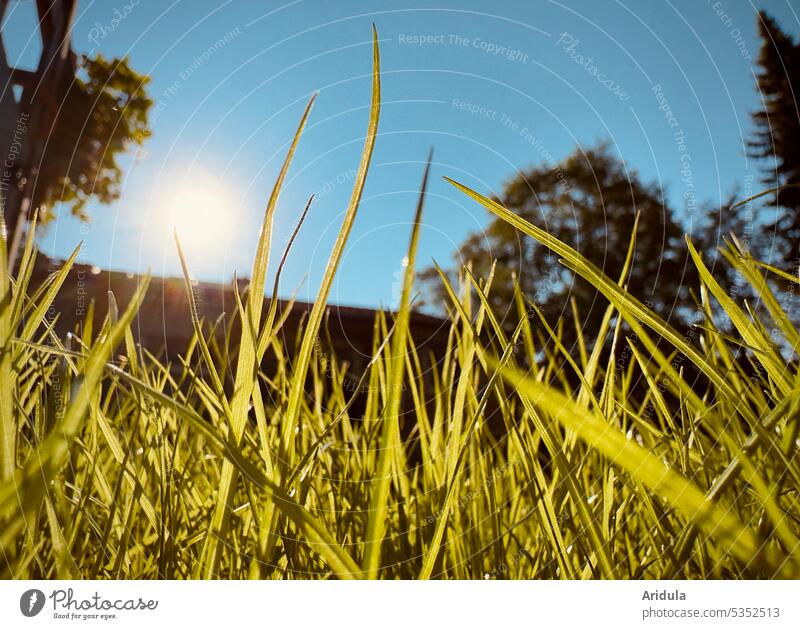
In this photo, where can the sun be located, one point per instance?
(201, 212)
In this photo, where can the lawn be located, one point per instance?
(648, 453)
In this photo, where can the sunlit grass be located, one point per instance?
(512, 458)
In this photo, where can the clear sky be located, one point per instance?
(492, 86)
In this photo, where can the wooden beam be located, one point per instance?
(25, 78)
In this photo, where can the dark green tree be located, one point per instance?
(590, 201)
(776, 140)
(102, 112)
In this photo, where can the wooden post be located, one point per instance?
(55, 23)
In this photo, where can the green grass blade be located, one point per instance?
(390, 430)
(662, 480)
(247, 365)
(629, 307)
(303, 358)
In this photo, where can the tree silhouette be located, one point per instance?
(776, 140)
(101, 113)
(590, 201)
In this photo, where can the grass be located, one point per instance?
(513, 458)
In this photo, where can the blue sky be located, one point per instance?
(493, 87)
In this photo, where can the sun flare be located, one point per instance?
(200, 211)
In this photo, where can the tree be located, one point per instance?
(589, 201)
(103, 111)
(81, 123)
(776, 140)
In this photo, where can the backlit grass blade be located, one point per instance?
(787, 406)
(390, 429)
(764, 349)
(303, 358)
(741, 260)
(629, 307)
(25, 490)
(8, 428)
(659, 478)
(205, 352)
(247, 365)
(552, 441)
(35, 319)
(320, 538)
(431, 554)
(25, 270)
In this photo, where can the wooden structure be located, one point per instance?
(26, 121)
(164, 327)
